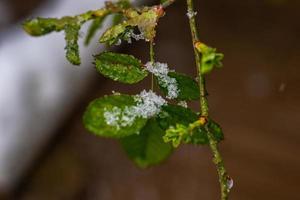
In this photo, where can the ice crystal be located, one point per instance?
(112, 117)
(148, 104)
(191, 14)
(183, 104)
(130, 34)
(119, 42)
(161, 70)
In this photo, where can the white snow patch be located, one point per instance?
(161, 70)
(148, 104)
(191, 14)
(112, 117)
(183, 104)
(130, 34)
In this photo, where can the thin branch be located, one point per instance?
(217, 158)
(151, 46)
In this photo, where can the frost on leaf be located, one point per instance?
(106, 116)
(146, 22)
(112, 117)
(183, 104)
(147, 105)
(161, 71)
(174, 85)
(130, 34)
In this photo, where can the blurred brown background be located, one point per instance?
(255, 97)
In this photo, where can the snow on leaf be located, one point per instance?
(107, 117)
(161, 71)
(147, 105)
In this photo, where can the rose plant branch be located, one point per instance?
(149, 125)
(217, 158)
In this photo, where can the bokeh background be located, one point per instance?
(255, 97)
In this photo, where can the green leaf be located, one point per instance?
(40, 26)
(72, 48)
(117, 19)
(124, 4)
(94, 27)
(71, 25)
(216, 130)
(145, 21)
(179, 118)
(120, 67)
(114, 34)
(147, 148)
(95, 121)
(171, 115)
(188, 88)
(210, 58)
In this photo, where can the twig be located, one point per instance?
(217, 158)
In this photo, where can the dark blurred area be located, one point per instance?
(13, 10)
(255, 97)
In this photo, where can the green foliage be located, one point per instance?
(72, 48)
(146, 23)
(96, 25)
(171, 115)
(95, 121)
(188, 87)
(147, 140)
(216, 130)
(120, 67)
(71, 26)
(41, 26)
(147, 148)
(147, 125)
(115, 34)
(182, 126)
(210, 58)
(177, 116)
(117, 19)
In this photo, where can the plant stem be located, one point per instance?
(167, 3)
(217, 158)
(224, 179)
(195, 38)
(151, 47)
